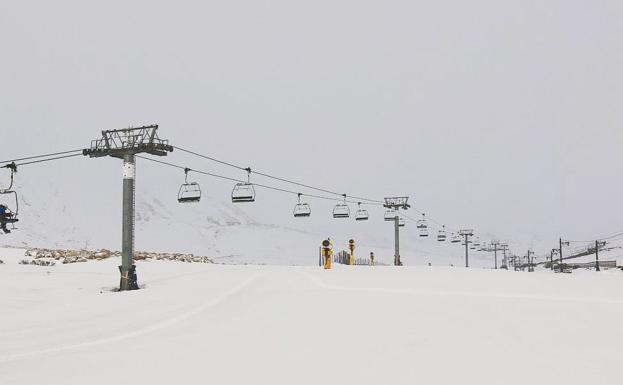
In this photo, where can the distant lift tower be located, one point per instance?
(504, 248)
(397, 203)
(125, 144)
(495, 247)
(467, 234)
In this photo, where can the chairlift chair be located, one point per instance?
(301, 210)
(189, 191)
(390, 215)
(441, 234)
(361, 214)
(401, 222)
(341, 210)
(244, 191)
(422, 223)
(9, 216)
(422, 226)
(455, 238)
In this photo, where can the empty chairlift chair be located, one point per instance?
(244, 191)
(390, 215)
(455, 238)
(422, 226)
(441, 234)
(341, 210)
(361, 214)
(301, 210)
(189, 191)
(401, 222)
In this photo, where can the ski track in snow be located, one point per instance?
(150, 329)
(471, 294)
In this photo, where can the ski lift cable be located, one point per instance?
(375, 201)
(48, 159)
(63, 155)
(431, 219)
(596, 239)
(439, 225)
(242, 181)
(40, 156)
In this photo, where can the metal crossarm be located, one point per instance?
(396, 203)
(133, 140)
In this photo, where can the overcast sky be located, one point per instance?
(504, 116)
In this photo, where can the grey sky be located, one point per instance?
(503, 116)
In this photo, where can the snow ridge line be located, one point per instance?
(472, 294)
(139, 332)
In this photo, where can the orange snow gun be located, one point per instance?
(327, 253)
(351, 247)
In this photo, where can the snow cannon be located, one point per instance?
(327, 253)
(351, 247)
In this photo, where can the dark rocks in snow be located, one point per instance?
(37, 262)
(75, 256)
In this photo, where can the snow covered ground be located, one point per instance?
(222, 324)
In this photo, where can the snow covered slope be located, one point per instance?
(202, 323)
